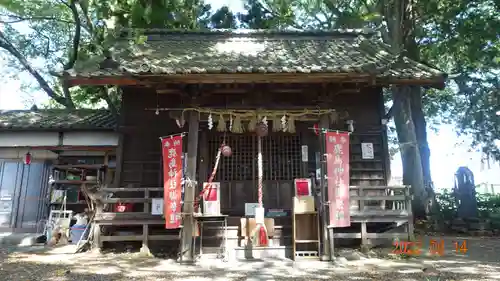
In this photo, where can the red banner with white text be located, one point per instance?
(172, 177)
(337, 166)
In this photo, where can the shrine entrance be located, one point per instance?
(238, 173)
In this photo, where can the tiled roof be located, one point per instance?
(51, 119)
(219, 52)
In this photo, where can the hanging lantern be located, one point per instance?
(227, 151)
(261, 129)
(316, 129)
(27, 158)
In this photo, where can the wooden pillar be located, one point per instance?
(119, 161)
(187, 251)
(324, 123)
(97, 243)
(361, 204)
(145, 227)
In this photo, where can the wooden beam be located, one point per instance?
(72, 148)
(187, 251)
(243, 78)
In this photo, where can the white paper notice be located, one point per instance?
(305, 153)
(157, 206)
(250, 209)
(212, 208)
(367, 150)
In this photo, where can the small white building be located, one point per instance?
(44, 136)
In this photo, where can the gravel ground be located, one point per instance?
(480, 263)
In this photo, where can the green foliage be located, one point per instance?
(488, 205)
(45, 31)
(460, 37)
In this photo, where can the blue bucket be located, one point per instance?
(76, 233)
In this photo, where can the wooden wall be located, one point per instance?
(142, 151)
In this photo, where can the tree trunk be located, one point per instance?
(421, 134)
(410, 153)
(421, 130)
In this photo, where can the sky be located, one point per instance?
(448, 152)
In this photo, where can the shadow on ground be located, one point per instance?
(58, 264)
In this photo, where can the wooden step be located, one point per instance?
(124, 189)
(382, 213)
(158, 219)
(138, 238)
(109, 216)
(371, 235)
(375, 198)
(126, 200)
(370, 187)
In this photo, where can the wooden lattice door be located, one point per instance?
(238, 173)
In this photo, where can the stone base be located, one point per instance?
(261, 253)
(18, 239)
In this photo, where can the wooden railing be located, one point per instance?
(392, 205)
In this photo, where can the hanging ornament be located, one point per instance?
(316, 129)
(283, 123)
(350, 125)
(276, 124)
(227, 151)
(221, 125)
(261, 129)
(157, 111)
(237, 127)
(210, 121)
(264, 120)
(180, 121)
(230, 122)
(252, 124)
(291, 125)
(334, 117)
(27, 158)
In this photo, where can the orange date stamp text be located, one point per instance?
(436, 247)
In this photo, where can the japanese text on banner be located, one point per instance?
(172, 177)
(337, 150)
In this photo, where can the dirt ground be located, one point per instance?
(481, 262)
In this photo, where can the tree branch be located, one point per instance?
(76, 36)
(6, 45)
(21, 19)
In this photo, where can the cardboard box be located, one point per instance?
(303, 204)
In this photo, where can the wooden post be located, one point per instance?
(119, 161)
(361, 204)
(187, 251)
(324, 123)
(97, 243)
(411, 227)
(145, 227)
